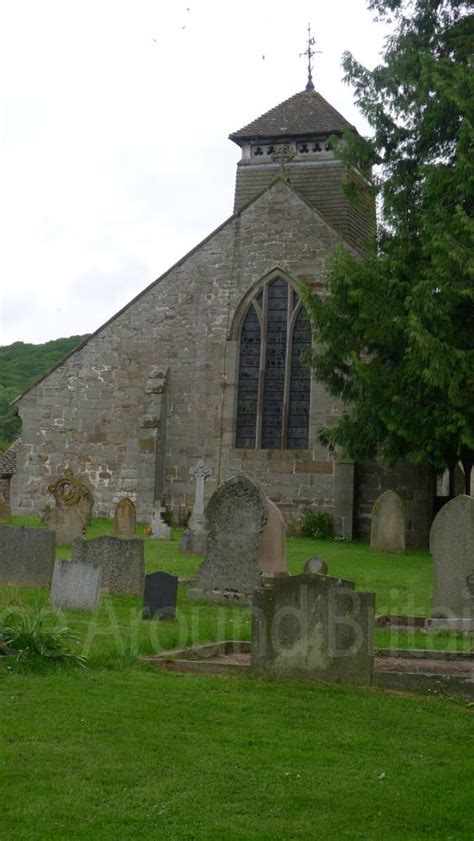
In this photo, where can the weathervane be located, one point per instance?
(309, 52)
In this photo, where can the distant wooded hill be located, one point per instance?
(20, 365)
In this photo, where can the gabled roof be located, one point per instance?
(8, 459)
(305, 113)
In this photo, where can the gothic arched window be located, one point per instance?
(274, 384)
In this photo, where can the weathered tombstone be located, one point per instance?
(452, 548)
(73, 508)
(122, 561)
(26, 556)
(159, 599)
(194, 539)
(76, 586)
(315, 566)
(5, 512)
(237, 550)
(313, 626)
(388, 529)
(158, 528)
(125, 519)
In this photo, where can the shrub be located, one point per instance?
(39, 633)
(318, 524)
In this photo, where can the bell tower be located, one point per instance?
(295, 136)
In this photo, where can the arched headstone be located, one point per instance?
(388, 530)
(452, 548)
(125, 519)
(245, 542)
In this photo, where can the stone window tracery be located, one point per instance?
(274, 384)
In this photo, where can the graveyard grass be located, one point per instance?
(121, 750)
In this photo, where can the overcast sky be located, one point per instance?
(114, 116)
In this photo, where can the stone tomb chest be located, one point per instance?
(314, 626)
(246, 542)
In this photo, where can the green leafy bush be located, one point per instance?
(317, 524)
(39, 633)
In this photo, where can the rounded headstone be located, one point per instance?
(315, 566)
(452, 548)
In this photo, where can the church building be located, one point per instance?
(206, 362)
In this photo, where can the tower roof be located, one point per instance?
(303, 113)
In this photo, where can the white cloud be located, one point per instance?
(114, 158)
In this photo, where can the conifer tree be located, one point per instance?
(394, 338)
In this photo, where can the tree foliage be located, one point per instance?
(395, 334)
(20, 365)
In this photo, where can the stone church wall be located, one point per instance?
(102, 411)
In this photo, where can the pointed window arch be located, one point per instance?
(274, 384)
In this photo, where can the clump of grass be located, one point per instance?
(39, 633)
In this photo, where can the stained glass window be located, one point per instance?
(274, 384)
(248, 380)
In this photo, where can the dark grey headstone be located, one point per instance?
(236, 516)
(122, 561)
(159, 600)
(26, 556)
(76, 586)
(314, 626)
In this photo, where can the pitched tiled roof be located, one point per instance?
(8, 459)
(302, 114)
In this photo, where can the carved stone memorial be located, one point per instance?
(313, 626)
(245, 543)
(122, 561)
(158, 528)
(159, 599)
(452, 548)
(388, 529)
(125, 519)
(73, 508)
(194, 539)
(76, 586)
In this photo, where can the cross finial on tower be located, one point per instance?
(309, 52)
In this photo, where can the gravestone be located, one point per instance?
(72, 511)
(76, 586)
(158, 528)
(194, 539)
(388, 529)
(122, 561)
(315, 566)
(125, 519)
(452, 548)
(5, 512)
(237, 549)
(313, 626)
(26, 556)
(159, 599)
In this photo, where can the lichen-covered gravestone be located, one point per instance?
(388, 529)
(452, 548)
(122, 561)
(313, 626)
(76, 586)
(125, 519)
(237, 546)
(26, 556)
(73, 508)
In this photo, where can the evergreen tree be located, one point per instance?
(395, 336)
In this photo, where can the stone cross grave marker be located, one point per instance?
(388, 529)
(194, 538)
(159, 600)
(125, 519)
(159, 529)
(76, 586)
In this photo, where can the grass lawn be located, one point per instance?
(136, 754)
(122, 751)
